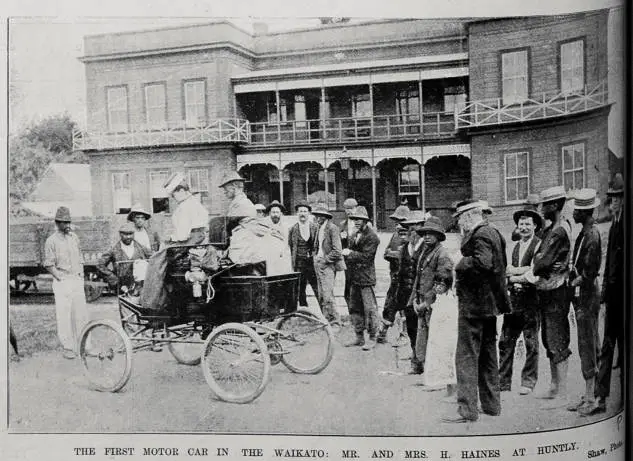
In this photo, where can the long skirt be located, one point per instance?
(439, 367)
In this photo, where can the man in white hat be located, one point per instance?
(62, 258)
(551, 267)
(359, 258)
(191, 218)
(142, 233)
(585, 266)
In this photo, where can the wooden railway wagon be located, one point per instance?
(27, 237)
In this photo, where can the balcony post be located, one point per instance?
(373, 188)
(420, 109)
(371, 104)
(322, 114)
(281, 185)
(422, 182)
(278, 113)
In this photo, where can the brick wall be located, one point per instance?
(545, 157)
(542, 36)
(216, 160)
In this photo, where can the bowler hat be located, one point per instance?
(433, 224)
(175, 180)
(415, 217)
(321, 211)
(617, 186)
(552, 194)
(586, 199)
(304, 205)
(137, 208)
(467, 205)
(401, 213)
(275, 204)
(127, 228)
(63, 214)
(350, 203)
(538, 221)
(260, 207)
(231, 176)
(360, 212)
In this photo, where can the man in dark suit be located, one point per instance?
(359, 257)
(524, 317)
(126, 249)
(327, 261)
(481, 293)
(301, 238)
(613, 297)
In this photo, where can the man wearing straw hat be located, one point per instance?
(551, 267)
(126, 249)
(142, 234)
(328, 260)
(359, 257)
(585, 266)
(482, 295)
(62, 258)
(613, 297)
(524, 318)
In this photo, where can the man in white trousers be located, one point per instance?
(62, 258)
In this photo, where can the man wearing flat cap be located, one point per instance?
(360, 258)
(301, 239)
(328, 260)
(551, 267)
(142, 233)
(63, 259)
(583, 278)
(613, 297)
(524, 318)
(126, 249)
(481, 288)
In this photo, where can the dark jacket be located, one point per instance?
(524, 295)
(360, 262)
(393, 251)
(587, 255)
(121, 272)
(614, 265)
(293, 240)
(481, 283)
(331, 246)
(434, 266)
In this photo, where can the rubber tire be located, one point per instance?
(221, 393)
(286, 358)
(125, 376)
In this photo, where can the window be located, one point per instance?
(155, 105)
(198, 180)
(572, 66)
(514, 76)
(121, 192)
(195, 103)
(574, 166)
(361, 106)
(407, 102)
(517, 183)
(454, 102)
(160, 199)
(316, 186)
(116, 104)
(409, 180)
(271, 105)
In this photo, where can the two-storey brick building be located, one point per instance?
(430, 111)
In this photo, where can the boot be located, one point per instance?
(359, 341)
(369, 345)
(553, 387)
(560, 398)
(381, 338)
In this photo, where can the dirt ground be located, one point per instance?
(360, 393)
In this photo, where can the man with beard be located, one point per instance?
(301, 238)
(482, 295)
(275, 213)
(585, 265)
(551, 267)
(359, 258)
(328, 260)
(613, 296)
(62, 258)
(524, 318)
(240, 206)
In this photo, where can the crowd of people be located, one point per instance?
(450, 305)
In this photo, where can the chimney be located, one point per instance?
(260, 28)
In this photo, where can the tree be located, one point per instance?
(34, 148)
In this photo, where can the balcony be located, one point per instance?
(435, 125)
(218, 131)
(547, 106)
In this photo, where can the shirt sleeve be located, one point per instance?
(49, 253)
(182, 225)
(556, 251)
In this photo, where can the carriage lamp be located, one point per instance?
(196, 276)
